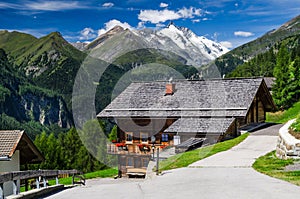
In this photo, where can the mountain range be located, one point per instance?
(37, 74)
(196, 50)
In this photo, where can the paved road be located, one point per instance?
(271, 130)
(224, 175)
(242, 155)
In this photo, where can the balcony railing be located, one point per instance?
(129, 149)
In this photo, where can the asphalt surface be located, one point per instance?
(224, 175)
(270, 131)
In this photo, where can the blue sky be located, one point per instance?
(231, 22)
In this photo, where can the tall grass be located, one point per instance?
(284, 116)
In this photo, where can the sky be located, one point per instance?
(229, 22)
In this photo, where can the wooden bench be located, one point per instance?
(136, 172)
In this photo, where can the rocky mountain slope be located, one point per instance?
(43, 72)
(23, 104)
(37, 78)
(194, 49)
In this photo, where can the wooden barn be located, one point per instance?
(158, 114)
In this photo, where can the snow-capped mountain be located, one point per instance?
(197, 50)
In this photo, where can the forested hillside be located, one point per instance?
(242, 54)
(66, 150)
(24, 105)
(282, 62)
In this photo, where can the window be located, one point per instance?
(164, 137)
(144, 137)
(129, 137)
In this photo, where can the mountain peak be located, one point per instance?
(103, 37)
(197, 50)
(115, 30)
(171, 24)
(182, 29)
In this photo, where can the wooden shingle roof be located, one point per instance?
(200, 125)
(211, 98)
(8, 142)
(12, 140)
(270, 81)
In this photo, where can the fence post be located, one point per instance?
(157, 162)
(73, 179)
(56, 180)
(37, 182)
(26, 184)
(44, 181)
(1, 191)
(16, 187)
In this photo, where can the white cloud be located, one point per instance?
(196, 20)
(53, 5)
(160, 16)
(243, 34)
(226, 44)
(87, 34)
(108, 5)
(111, 24)
(189, 13)
(141, 25)
(157, 16)
(163, 5)
(9, 5)
(160, 25)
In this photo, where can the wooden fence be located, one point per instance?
(40, 177)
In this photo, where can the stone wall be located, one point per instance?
(287, 145)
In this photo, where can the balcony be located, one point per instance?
(129, 149)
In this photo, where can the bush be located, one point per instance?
(295, 128)
(296, 125)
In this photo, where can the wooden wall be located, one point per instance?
(155, 127)
(256, 112)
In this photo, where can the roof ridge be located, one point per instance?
(200, 80)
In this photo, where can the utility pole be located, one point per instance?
(157, 162)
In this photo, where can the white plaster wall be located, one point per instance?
(7, 166)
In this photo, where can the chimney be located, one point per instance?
(170, 89)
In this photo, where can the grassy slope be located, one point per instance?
(284, 116)
(107, 173)
(187, 158)
(272, 166)
(269, 164)
(97, 174)
(15, 43)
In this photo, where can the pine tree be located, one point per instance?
(294, 82)
(281, 73)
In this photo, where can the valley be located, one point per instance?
(38, 74)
